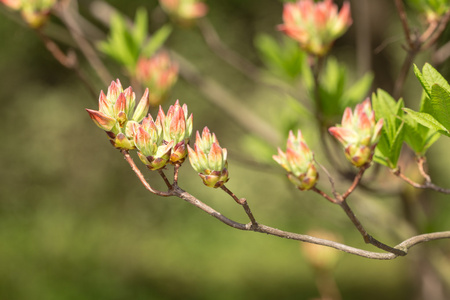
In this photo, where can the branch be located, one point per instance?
(141, 177)
(403, 246)
(175, 190)
(68, 16)
(425, 185)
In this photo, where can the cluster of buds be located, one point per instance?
(159, 74)
(158, 142)
(117, 115)
(209, 159)
(34, 12)
(184, 11)
(315, 25)
(358, 133)
(298, 161)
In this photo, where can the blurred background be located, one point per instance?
(75, 223)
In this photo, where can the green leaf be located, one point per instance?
(157, 40)
(332, 85)
(285, 60)
(393, 133)
(429, 77)
(140, 28)
(427, 120)
(440, 104)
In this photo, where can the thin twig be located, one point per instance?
(420, 163)
(323, 194)
(69, 61)
(67, 15)
(141, 177)
(356, 180)
(368, 239)
(404, 20)
(400, 249)
(404, 246)
(176, 169)
(425, 185)
(243, 202)
(166, 181)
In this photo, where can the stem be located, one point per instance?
(254, 226)
(323, 194)
(242, 202)
(67, 15)
(356, 181)
(368, 239)
(404, 20)
(69, 61)
(164, 178)
(426, 185)
(405, 245)
(141, 177)
(176, 169)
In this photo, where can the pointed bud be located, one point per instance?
(358, 133)
(298, 161)
(209, 160)
(101, 120)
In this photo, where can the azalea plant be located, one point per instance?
(374, 132)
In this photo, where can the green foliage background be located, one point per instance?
(75, 223)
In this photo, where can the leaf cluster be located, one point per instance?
(126, 45)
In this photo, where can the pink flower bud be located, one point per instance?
(315, 25)
(34, 13)
(153, 151)
(209, 159)
(158, 73)
(358, 133)
(184, 11)
(298, 161)
(176, 127)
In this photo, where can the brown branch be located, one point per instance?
(356, 181)
(432, 39)
(403, 246)
(69, 61)
(166, 181)
(400, 249)
(323, 194)
(425, 185)
(68, 16)
(243, 202)
(404, 21)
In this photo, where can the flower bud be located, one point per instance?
(176, 127)
(299, 162)
(159, 74)
(209, 159)
(153, 151)
(116, 112)
(315, 25)
(34, 13)
(358, 133)
(184, 11)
